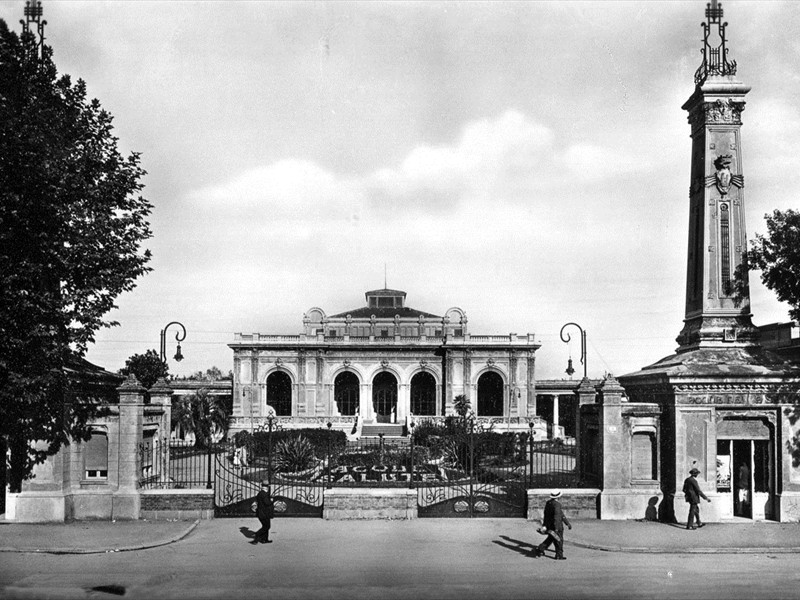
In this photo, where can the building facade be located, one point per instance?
(382, 363)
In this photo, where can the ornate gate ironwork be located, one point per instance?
(238, 473)
(485, 476)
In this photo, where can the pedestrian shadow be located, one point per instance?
(524, 548)
(247, 532)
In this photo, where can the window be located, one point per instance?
(423, 394)
(96, 457)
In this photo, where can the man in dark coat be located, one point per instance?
(693, 493)
(265, 510)
(554, 521)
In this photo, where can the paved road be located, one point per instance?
(427, 558)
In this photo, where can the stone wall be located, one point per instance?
(370, 503)
(577, 503)
(159, 505)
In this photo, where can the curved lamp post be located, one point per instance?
(178, 336)
(570, 370)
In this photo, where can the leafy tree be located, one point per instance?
(212, 374)
(201, 414)
(777, 256)
(71, 227)
(147, 368)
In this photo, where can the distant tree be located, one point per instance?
(71, 227)
(212, 374)
(777, 256)
(201, 414)
(147, 368)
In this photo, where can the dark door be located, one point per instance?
(384, 397)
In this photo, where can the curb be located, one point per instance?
(646, 550)
(143, 546)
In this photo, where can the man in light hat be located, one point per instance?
(554, 521)
(693, 493)
(264, 509)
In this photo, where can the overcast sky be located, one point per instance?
(527, 162)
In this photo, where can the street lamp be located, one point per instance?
(328, 484)
(178, 336)
(570, 370)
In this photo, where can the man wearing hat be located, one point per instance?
(554, 521)
(693, 493)
(264, 509)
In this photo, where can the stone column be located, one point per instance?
(555, 414)
(125, 500)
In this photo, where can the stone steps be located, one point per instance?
(375, 430)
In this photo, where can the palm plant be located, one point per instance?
(201, 414)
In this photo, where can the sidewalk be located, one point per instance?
(87, 537)
(90, 537)
(663, 538)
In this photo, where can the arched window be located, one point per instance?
(279, 393)
(384, 397)
(423, 394)
(346, 393)
(490, 395)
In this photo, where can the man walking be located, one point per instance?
(554, 521)
(264, 511)
(693, 493)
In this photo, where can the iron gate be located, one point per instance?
(478, 475)
(238, 473)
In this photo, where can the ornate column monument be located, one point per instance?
(723, 398)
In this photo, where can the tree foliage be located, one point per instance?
(201, 414)
(71, 227)
(777, 256)
(147, 368)
(212, 374)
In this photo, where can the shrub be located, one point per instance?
(293, 454)
(317, 437)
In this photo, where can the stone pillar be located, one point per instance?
(161, 395)
(125, 500)
(585, 394)
(615, 482)
(365, 403)
(403, 402)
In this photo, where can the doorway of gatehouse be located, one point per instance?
(744, 478)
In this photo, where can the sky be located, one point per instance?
(525, 161)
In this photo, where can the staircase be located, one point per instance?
(374, 430)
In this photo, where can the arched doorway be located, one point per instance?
(279, 393)
(384, 397)
(423, 394)
(346, 393)
(490, 395)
